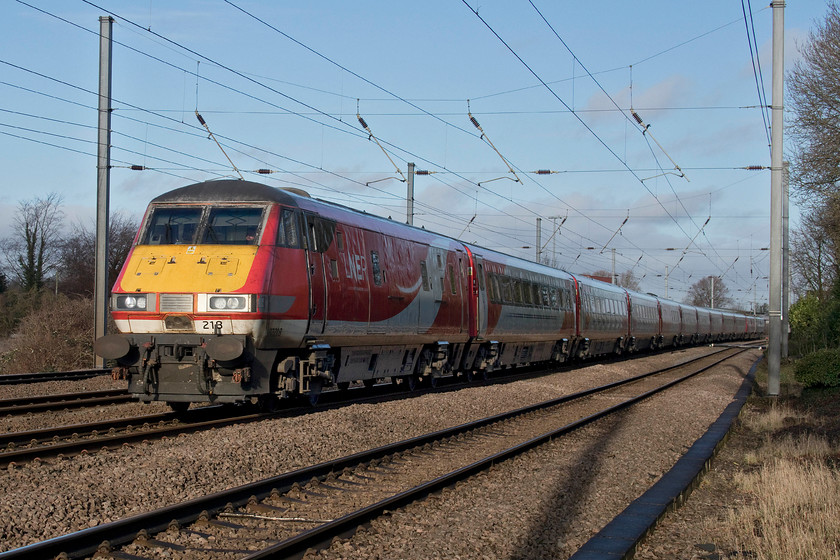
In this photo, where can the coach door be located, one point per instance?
(316, 245)
(478, 301)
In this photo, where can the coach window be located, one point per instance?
(452, 280)
(377, 272)
(339, 240)
(172, 226)
(481, 277)
(517, 290)
(287, 230)
(424, 274)
(493, 288)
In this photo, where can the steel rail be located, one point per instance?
(47, 434)
(40, 403)
(89, 541)
(39, 377)
(113, 441)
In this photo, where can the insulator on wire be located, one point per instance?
(265, 171)
(200, 119)
(137, 168)
(475, 122)
(755, 167)
(637, 117)
(362, 122)
(422, 172)
(543, 171)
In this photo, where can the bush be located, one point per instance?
(57, 336)
(819, 369)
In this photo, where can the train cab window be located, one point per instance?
(288, 230)
(232, 226)
(172, 226)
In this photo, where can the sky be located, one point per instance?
(551, 84)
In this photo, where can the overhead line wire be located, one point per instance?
(344, 68)
(585, 125)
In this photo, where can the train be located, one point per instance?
(239, 292)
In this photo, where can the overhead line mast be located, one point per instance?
(103, 185)
(774, 349)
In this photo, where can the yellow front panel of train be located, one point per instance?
(188, 268)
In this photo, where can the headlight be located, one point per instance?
(137, 301)
(233, 303)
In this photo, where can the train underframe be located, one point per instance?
(184, 368)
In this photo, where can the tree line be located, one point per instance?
(45, 255)
(813, 132)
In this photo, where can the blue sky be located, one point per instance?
(280, 84)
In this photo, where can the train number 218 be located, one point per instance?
(212, 326)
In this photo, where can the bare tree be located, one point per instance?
(813, 255)
(626, 279)
(709, 292)
(604, 275)
(78, 251)
(31, 252)
(629, 281)
(813, 93)
(814, 133)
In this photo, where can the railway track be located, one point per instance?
(40, 403)
(21, 378)
(63, 441)
(69, 440)
(335, 497)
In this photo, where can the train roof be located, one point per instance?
(228, 190)
(235, 190)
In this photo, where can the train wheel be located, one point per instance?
(268, 403)
(410, 382)
(470, 376)
(343, 385)
(314, 394)
(433, 381)
(178, 406)
(368, 383)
